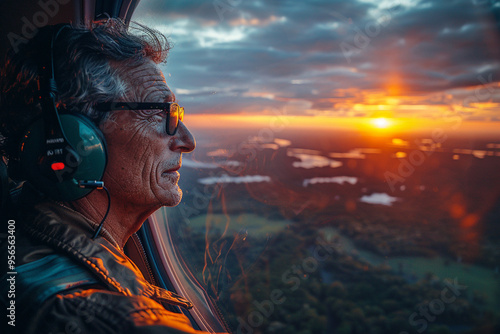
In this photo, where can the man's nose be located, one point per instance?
(184, 140)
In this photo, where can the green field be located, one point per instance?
(247, 223)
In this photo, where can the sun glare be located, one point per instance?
(381, 123)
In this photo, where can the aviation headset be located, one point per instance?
(62, 155)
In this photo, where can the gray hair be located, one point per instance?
(87, 62)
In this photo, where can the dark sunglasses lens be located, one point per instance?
(173, 119)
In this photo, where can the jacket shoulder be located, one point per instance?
(100, 311)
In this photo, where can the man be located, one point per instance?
(72, 276)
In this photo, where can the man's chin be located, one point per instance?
(173, 198)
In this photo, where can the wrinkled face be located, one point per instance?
(142, 158)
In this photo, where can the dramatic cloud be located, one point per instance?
(323, 57)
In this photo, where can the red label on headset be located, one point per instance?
(57, 166)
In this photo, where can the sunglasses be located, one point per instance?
(171, 109)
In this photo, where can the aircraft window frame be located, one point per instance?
(173, 275)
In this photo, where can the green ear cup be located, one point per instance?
(86, 139)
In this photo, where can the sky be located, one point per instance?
(428, 59)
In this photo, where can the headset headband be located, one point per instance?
(59, 159)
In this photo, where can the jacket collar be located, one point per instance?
(69, 232)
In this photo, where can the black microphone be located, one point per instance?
(91, 184)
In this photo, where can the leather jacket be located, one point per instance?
(65, 282)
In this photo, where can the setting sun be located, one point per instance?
(381, 123)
